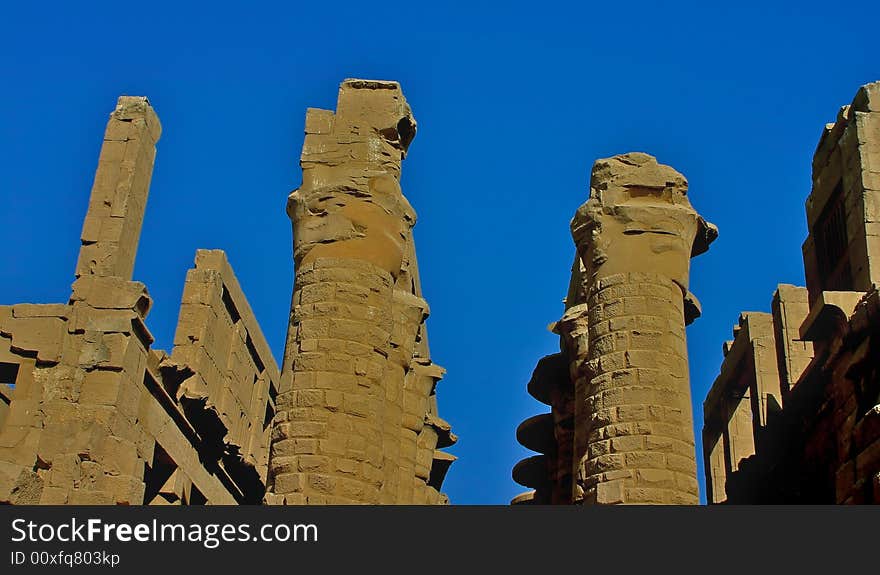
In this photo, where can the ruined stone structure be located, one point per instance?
(357, 419)
(620, 427)
(794, 415)
(90, 414)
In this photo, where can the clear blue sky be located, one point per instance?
(514, 102)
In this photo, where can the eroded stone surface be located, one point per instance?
(793, 415)
(91, 414)
(95, 416)
(357, 419)
(622, 409)
(639, 219)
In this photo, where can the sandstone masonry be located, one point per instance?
(357, 420)
(794, 415)
(620, 428)
(91, 414)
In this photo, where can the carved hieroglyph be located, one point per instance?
(357, 416)
(634, 431)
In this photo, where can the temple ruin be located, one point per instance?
(91, 414)
(794, 415)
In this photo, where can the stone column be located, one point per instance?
(330, 447)
(549, 434)
(635, 236)
(348, 426)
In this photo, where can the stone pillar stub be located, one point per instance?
(634, 426)
(112, 225)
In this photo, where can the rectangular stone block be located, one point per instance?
(289, 483)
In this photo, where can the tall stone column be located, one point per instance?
(635, 236)
(349, 425)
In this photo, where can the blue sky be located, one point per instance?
(514, 102)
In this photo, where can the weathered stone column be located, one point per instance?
(330, 448)
(354, 399)
(636, 235)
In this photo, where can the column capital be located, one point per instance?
(639, 218)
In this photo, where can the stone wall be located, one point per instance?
(90, 414)
(820, 442)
